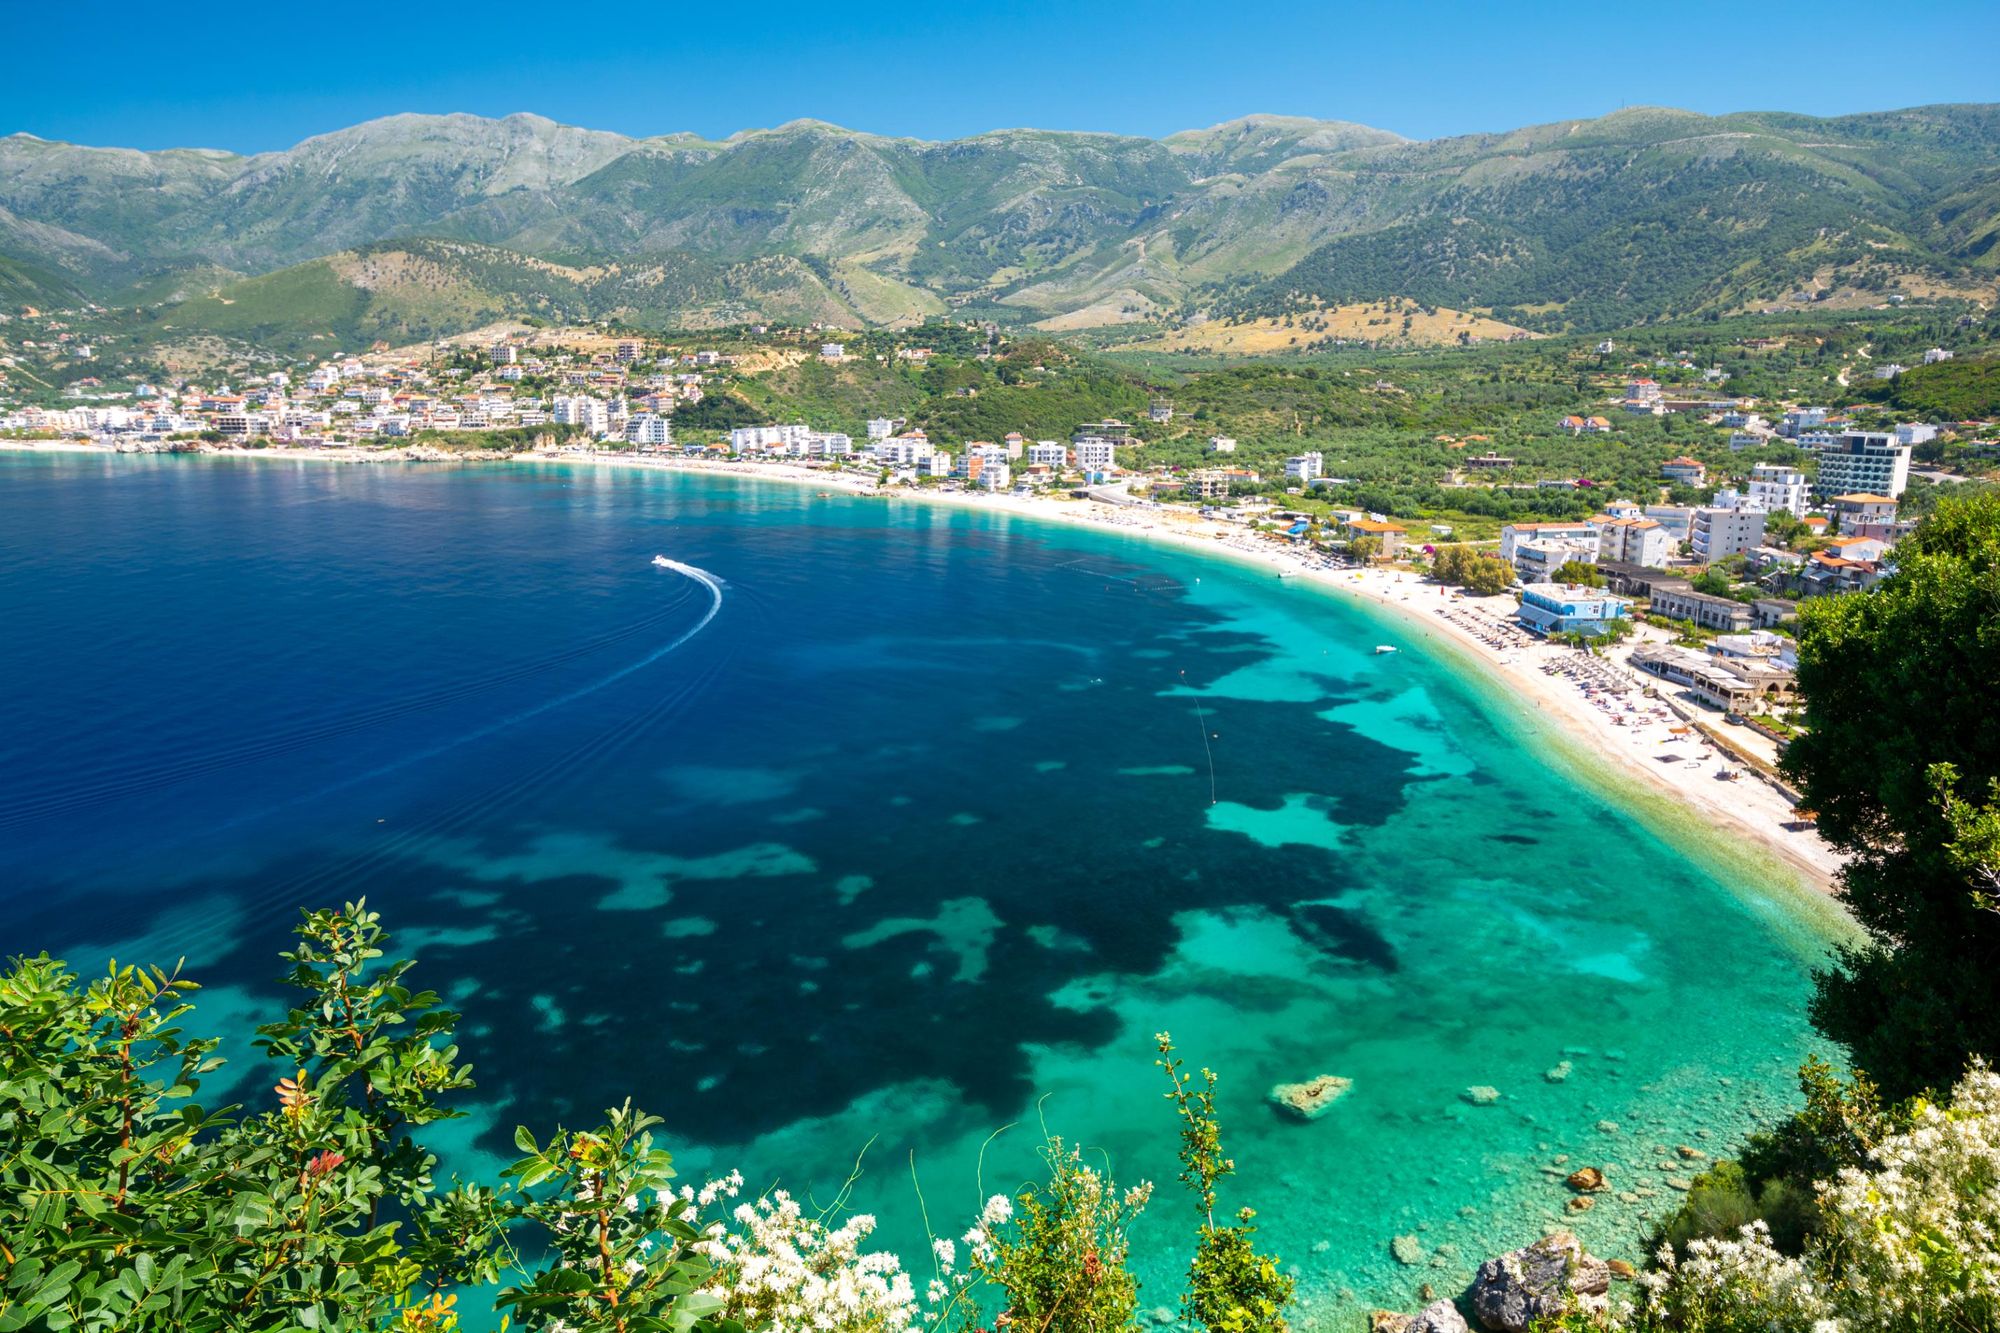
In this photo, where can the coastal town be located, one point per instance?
(1682, 608)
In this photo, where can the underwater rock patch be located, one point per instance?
(1311, 1099)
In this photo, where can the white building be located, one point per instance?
(1514, 535)
(832, 351)
(649, 431)
(1912, 432)
(881, 428)
(1221, 444)
(901, 450)
(764, 439)
(1775, 487)
(1537, 559)
(1870, 462)
(1935, 355)
(1049, 453)
(1305, 468)
(1634, 541)
(1093, 453)
(824, 444)
(590, 413)
(1802, 419)
(1720, 532)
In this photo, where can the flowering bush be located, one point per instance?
(1734, 1286)
(1916, 1240)
(126, 1206)
(1909, 1243)
(790, 1273)
(1059, 1256)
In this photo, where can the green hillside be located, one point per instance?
(1643, 215)
(24, 283)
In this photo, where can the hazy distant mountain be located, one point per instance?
(1586, 223)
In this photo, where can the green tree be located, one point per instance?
(1899, 685)
(125, 1204)
(1449, 564)
(1580, 572)
(1488, 576)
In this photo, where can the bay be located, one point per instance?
(882, 827)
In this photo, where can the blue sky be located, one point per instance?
(256, 77)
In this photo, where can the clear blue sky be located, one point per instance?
(255, 77)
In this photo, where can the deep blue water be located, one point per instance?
(903, 833)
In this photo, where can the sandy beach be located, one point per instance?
(1599, 702)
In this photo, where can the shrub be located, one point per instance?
(1058, 1251)
(1232, 1288)
(1908, 1241)
(124, 1205)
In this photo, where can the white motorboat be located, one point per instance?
(1381, 648)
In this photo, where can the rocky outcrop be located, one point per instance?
(1546, 1280)
(1587, 1180)
(1437, 1317)
(1311, 1099)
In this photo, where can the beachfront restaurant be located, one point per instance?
(1735, 685)
(1569, 608)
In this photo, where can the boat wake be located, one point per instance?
(699, 575)
(115, 785)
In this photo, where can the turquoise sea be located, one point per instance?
(880, 827)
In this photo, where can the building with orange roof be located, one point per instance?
(1864, 514)
(1391, 535)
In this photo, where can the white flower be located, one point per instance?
(997, 1210)
(794, 1274)
(1913, 1242)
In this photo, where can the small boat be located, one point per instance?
(1288, 573)
(1381, 648)
(661, 562)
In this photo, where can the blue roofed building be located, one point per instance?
(1570, 608)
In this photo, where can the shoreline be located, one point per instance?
(1560, 689)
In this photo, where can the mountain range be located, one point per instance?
(426, 224)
